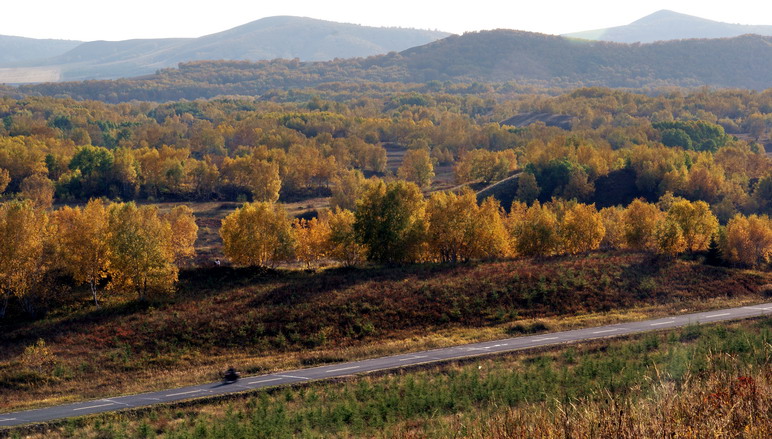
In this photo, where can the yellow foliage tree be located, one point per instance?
(749, 240)
(81, 240)
(581, 229)
(669, 237)
(39, 190)
(417, 167)
(342, 244)
(258, 234)
(451, 225)
(484, 165)
(697, 223)
(142, 252)
(259, 177)
(491, 239)
(311, 240)
(23, 233)
(184, 231)
(614, 223)
(5, 179)
(641, 219)
(347, 187)
(537, 233)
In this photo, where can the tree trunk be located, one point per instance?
(4, 307)
(94, 292)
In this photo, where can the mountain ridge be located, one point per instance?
(267, 38)
(666, 25)
(501, 56)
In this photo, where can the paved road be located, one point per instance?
(375, 364)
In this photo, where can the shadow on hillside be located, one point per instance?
(305, 286)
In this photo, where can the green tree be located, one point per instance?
(527, 188)
(390, 222)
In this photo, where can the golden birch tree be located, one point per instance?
(184, 231)
(417, 167)
(311, 238)
(749, 240)
(342, 244)
(641, 219)
(23, 232)
(581, 229)
(141, 250)
(81, 241)
(696, 221)
(258, 234)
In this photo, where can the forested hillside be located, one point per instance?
(518, 58)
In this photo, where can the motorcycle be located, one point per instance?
(230, 376)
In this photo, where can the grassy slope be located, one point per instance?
(707, 380)
(268, 320)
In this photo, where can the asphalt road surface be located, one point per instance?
(376, 364)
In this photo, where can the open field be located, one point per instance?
(272, 320)
(706, 380)
(29, 75)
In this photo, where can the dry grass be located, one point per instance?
(721, 406)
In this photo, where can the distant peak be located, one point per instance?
(664, 14)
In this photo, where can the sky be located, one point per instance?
(89, 20)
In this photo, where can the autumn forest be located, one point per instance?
(672, 173)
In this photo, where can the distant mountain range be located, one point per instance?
(23, 50)
(269, 38)
(668, 25)
(489, 56)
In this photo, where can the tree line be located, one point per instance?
(394, 223)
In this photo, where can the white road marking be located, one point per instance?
(417, 357)
(93, 406)
(758, 308)
(184, 393)
(718, 315)
(546, 338)
(290, 376)
(343, 368)
(263, 381)
(116, 402)
(8, 419)
(661, 323)
(606, 330)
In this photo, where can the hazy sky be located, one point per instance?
(124, 19)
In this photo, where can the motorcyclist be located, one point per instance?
(231, 374)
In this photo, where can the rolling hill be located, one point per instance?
(15, 50)
(489, 56)
(268, 38)
(668, 25)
